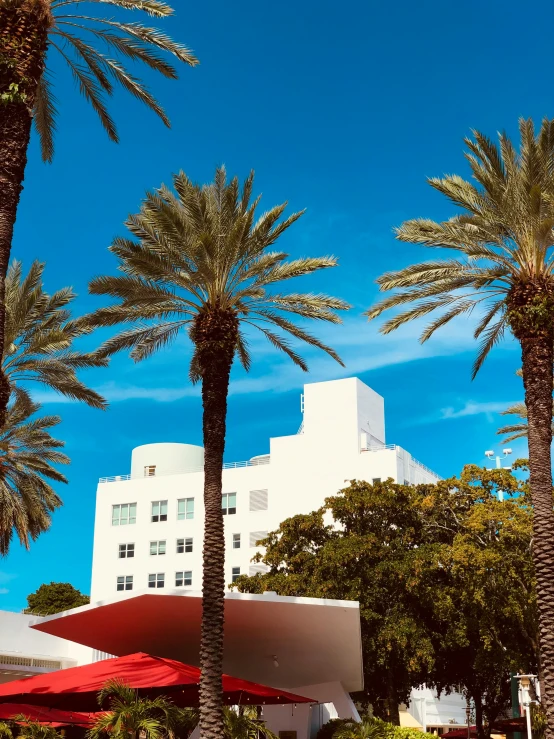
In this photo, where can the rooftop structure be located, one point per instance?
(149, 523)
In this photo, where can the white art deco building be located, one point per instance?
(146, 575)
(149, 523)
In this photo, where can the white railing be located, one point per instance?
(395, 447)
(255, 462)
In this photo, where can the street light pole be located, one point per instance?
(468, 715)
(490, 454)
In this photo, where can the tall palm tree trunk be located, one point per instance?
(24, 28)
(214, 335)
(537, 356)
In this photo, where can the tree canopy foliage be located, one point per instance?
(55, 597)
(426, 563)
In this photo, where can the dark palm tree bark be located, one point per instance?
(537, 356)
(531, 316)
(214, 335)
(24, 28)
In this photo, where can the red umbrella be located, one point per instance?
(51, 716)
(76, 688)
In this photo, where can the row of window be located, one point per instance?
(126, 513)
(183, 579)
(184, 546)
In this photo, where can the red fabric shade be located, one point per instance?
(76, 688)
(51, 716)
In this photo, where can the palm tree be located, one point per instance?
(132, 716)
(368, 728)
(202, 263)
(27, 453)
(503, 238)
(39, 336)
(244, 724)
(28, 729)
(30, 29)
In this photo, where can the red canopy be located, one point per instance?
(51, 716)
(76, 688)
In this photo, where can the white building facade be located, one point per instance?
(149, 524)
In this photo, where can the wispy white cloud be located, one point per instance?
(358, 342)
(6, 577)
(473, 408)
(4, 591)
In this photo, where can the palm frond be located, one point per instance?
(44, 116)
(39, 338)
(27, 453)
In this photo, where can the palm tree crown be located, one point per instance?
(39, 338)
(132, 715)
(503, 237)
(27, 455)
(73, 36)
(199, 252)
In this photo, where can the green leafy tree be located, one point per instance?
(39, 335)
(130, 715)
(30, 30)
(443, 574)
(502, 239)
(486, 601)
(5, 730)
(201, 263)
(377, 542)
(28, 454)
(55, 597)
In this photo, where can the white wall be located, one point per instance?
(339, 419)
(24, 651)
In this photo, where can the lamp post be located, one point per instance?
(468, 716)
(525, 686)
(490, 454)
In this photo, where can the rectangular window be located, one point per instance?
(185, 509)
(184, 546)
(236, 541)
(157, 547)
(126, 551)
(124, 514)
(125, 582)
(235, 573)
(256, 536)
(183, 579)
(159, 511)
(150, 470)
(229, 503)
(157, 580)
(375, 479)
(258, 500)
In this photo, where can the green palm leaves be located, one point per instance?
(76, 36)
(28, 454)
(502, 238)
(199, 250)
(40, 334)
(131, 715)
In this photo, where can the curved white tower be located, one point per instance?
(151, 460)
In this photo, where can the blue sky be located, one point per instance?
(341, 108)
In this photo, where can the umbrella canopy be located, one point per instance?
(51, 716)
(76, 688)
